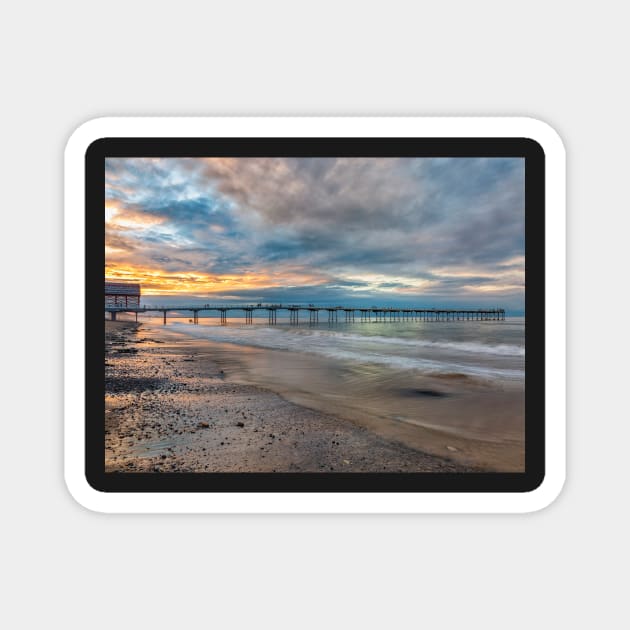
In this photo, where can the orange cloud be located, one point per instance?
(158, 282)
(117, 218)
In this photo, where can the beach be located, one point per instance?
(170, 407)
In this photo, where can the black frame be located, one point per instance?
(526, 148)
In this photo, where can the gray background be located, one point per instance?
(66, 62)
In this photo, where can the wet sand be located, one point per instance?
(171, 408)
(472, 421)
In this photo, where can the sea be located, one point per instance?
(483, 349)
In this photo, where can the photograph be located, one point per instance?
(314, 315)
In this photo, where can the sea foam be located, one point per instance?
(394, 352)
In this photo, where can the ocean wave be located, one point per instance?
(332, 346)
(457, 346)
(427, 366)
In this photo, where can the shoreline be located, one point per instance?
(170, 407)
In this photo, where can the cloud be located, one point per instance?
(449, 225)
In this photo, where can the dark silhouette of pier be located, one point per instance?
(334, 314)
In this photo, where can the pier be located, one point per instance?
(331, 314)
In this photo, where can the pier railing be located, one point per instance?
(334, 314)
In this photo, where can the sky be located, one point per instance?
(431, 232)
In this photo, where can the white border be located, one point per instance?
(74, 327)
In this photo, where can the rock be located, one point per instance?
(240, 424)
(451, 448)
(203, 425)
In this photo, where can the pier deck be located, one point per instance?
(334, 314)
